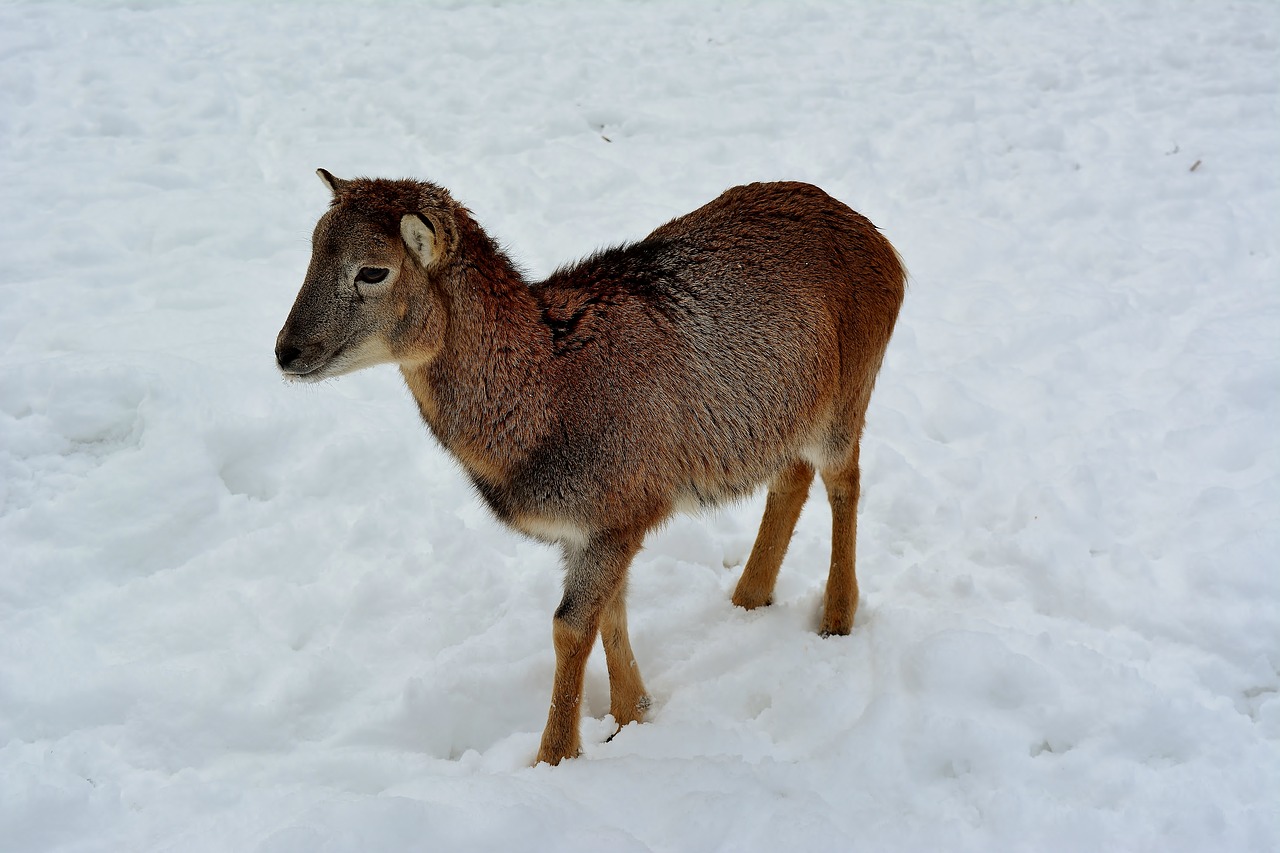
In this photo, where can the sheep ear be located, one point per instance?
(420, 235)
(335, 185)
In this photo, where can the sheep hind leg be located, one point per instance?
(787, 494)
(841, 599)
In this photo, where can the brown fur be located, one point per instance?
(734, 346)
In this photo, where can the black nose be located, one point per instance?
(286, 355)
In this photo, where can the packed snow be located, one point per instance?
(242, 615)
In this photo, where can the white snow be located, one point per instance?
(241, 615)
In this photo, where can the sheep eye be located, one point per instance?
(371, 275)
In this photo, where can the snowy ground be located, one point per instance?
(241, 615)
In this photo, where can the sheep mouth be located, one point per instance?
(322, 369)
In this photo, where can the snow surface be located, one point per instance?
(237, 614)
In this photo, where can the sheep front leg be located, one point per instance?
(595, 573)
(628, 700)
